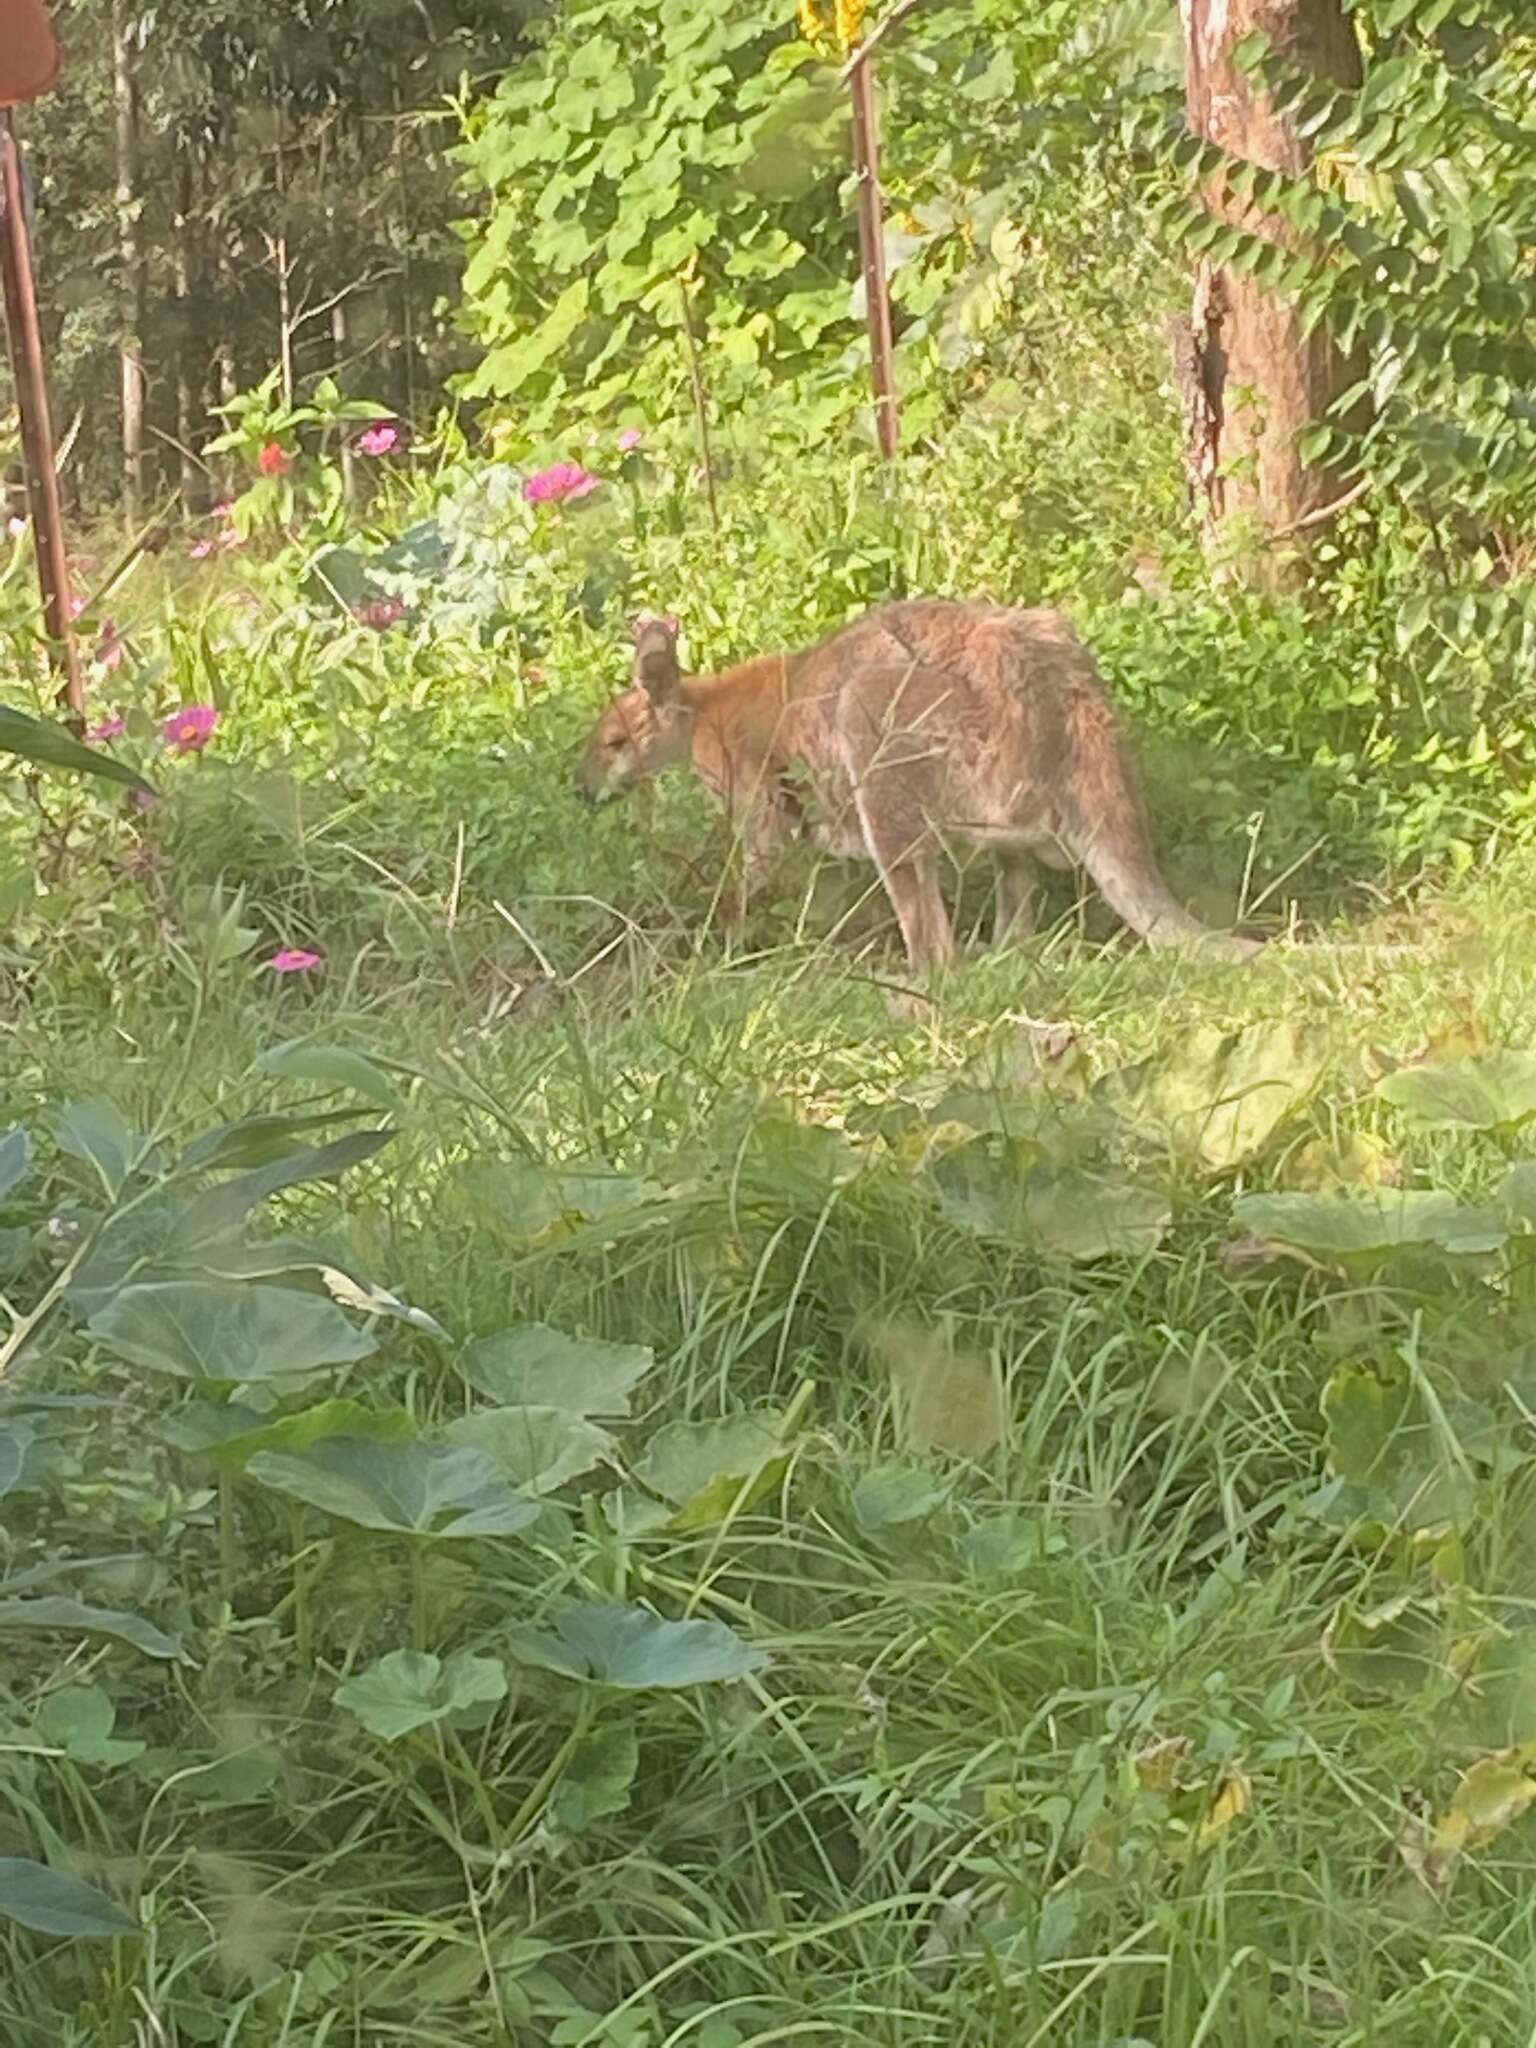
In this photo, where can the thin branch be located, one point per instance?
(1321, 514)
(362, 284)
(876, 37)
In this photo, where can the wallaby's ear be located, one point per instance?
(656, 669)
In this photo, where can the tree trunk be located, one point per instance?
(282, 264)
(187, 278)
(1253, 381)
(130, 250)
(339, 368)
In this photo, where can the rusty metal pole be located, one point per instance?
(26, 343)
(877, 294)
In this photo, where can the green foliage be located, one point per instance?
(626, 1647)
(642, 154)
(53, 1902)
(53, 746)
(411, 1689)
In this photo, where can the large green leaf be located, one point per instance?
(73, 1617)
(596, 1782)
(1490, 1091)
(1363, 1230)
(537, 1367)
(220, 1210)
(330, 1066)
(203, 1330)
(258, 1140)
(230, 1433)
(633, 1648)
(1395, 1648)
(95, 1132)
(1000, 1188)
(52, 1902)
(409, 1689)
(1384, 1441)
(55, 746)
(893, 1495)
(79, 1720)
(534, 1449)
(15, 1159)
(1221, 1095)
(526, 1200)
(1085, 1216)
(412, 1489)
(705, 1469)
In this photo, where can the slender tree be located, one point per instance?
(1253, 380)
(130, 250)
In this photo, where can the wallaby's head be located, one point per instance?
(646, 729)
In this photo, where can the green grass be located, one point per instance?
(924, 1820)
(943, 1736)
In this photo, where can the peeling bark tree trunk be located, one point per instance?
(1252, 380)
(130, 250)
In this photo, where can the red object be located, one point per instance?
(29, 63)
(29, 56)
(274, 460)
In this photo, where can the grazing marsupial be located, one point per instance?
(923, 725)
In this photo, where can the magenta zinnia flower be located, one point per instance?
(189, 730)
(108, 729)
(293, 960)
(562, 480)
(378, 439)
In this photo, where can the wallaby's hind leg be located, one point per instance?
(913, 887)
(1017, 899)
(909, 867)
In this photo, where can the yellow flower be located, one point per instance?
(813, 23)
(849, 16)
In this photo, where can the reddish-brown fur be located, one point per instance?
(921, 724)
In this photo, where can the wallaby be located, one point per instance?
(922, 724)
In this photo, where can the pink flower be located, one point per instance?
(377, 439)
(15, 527)
(630, 438)
(274, 460)
(111, 728)
(189, 730)
(228, 539)
(200, 550)
(379, 612)
(76, 607)
(562, 480)
(223, 511)
(293, 960)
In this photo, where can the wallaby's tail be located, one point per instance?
(1103, 823)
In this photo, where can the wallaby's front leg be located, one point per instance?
(755, 836)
